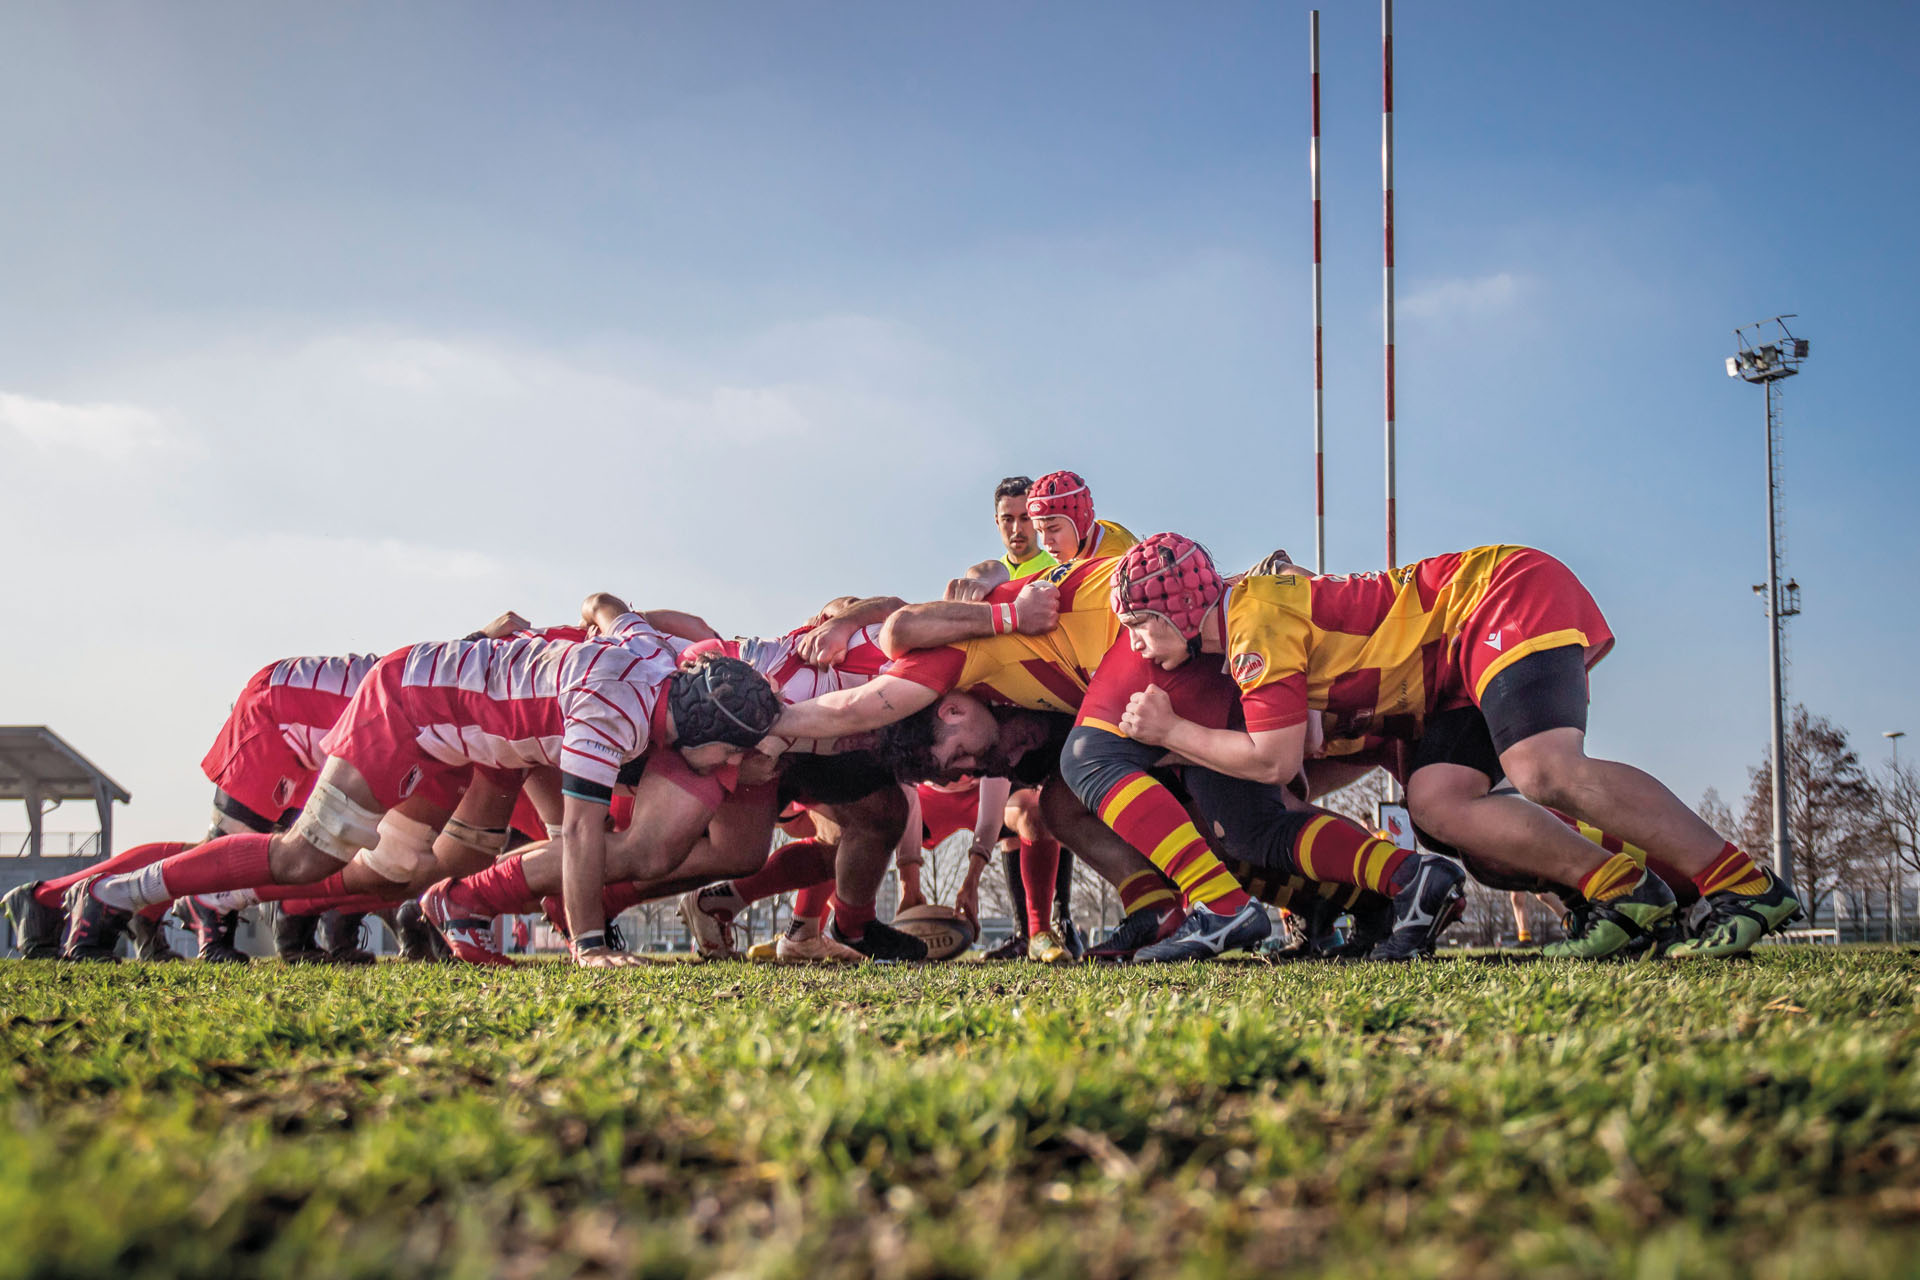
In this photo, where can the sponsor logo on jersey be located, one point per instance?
(1058, 574)
(1493, 640)
(283, 793)
(1248, 667)
(408, 783)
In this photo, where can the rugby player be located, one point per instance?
(433, 719)
(1509, 630)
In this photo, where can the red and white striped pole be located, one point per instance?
(1386, 184)
(1319, 381)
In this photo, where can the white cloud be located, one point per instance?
(114, 432)
(1463, 297)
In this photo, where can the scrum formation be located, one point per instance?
(1167, 720)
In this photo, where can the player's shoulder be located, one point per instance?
(1285, 592)
(1115, 539)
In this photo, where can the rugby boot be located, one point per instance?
(293, 939)
(150, 940)
(1735, 921)
(1014, 948)
(1432, 895)
(709, 914)
(93, 927)
(805, 942)
(881, 942)
(36, 929)
(767, 952)
(1618, 923)
(214, 928)
(615, 940)
(1573, 921)
(1141, 928)
(339, 937)
(1206, 933)
(469, 938)
(1069, 934)
(1047, 949)
(415, 934)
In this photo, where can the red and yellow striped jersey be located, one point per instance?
(1113, 540)
(1042, 673)
(1370, 650)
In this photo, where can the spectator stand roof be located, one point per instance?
(37, 766)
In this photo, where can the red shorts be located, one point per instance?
(1199, 689)
(377, 736)
(1532, 603)
(252, 761)
(944, 812)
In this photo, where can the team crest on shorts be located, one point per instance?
(408, 783)
(1247, 667)
(283, 793)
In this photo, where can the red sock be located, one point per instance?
(811, 903)
(50, 892)
(1733, 870)
(1336, 850)
(155, 911)
(1146, 816)
(1144, 889)
(794, 865)
(230, 862)
(353, 904)
(334, 886)
(850, 921)
(1039, 868)
(500, 890)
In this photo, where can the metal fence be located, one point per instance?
(53, 844)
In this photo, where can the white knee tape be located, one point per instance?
(335, 825)
(491, 841)
(404, 850)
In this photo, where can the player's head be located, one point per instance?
(1062, 509)
(1276, 563)
(1163, 590)
(958, 735)
(720, 707)
(1010, 516)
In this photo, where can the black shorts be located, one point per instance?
(1542, 691)
(839, 779)
(1250, 821)
(248, 818)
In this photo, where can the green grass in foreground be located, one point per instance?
(1450, 1118)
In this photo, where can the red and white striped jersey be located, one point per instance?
(523, 702)
(304, 696)
(778, 659)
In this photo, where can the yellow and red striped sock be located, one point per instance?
(1144, 889)
(1734, 872)
(1336, 850)
(1146, 816)
(1612, 879)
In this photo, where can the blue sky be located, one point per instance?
(341, 327)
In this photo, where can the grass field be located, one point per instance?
(1450, 1118)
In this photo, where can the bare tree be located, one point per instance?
(1361, 798)
(1833, 808)
(1714, 812)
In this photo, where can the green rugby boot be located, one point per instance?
(1618, 924)
(1735, 921)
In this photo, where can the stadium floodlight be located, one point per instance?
(1768, 354)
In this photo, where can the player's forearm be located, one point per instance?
(874, 705)
(864, 613)
(583, 869)
(937, 622)
(1238, 755)
(993, 810)
(687, 626)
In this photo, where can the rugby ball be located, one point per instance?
(944, 930)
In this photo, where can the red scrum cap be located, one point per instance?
(1062, 493)
(1170, 576)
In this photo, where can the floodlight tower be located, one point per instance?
(1768, 354)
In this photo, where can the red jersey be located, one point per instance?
(586, 707)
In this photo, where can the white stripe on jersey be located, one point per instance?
(335, 679)
(776, 659)
(525, 701)
(324, 675)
